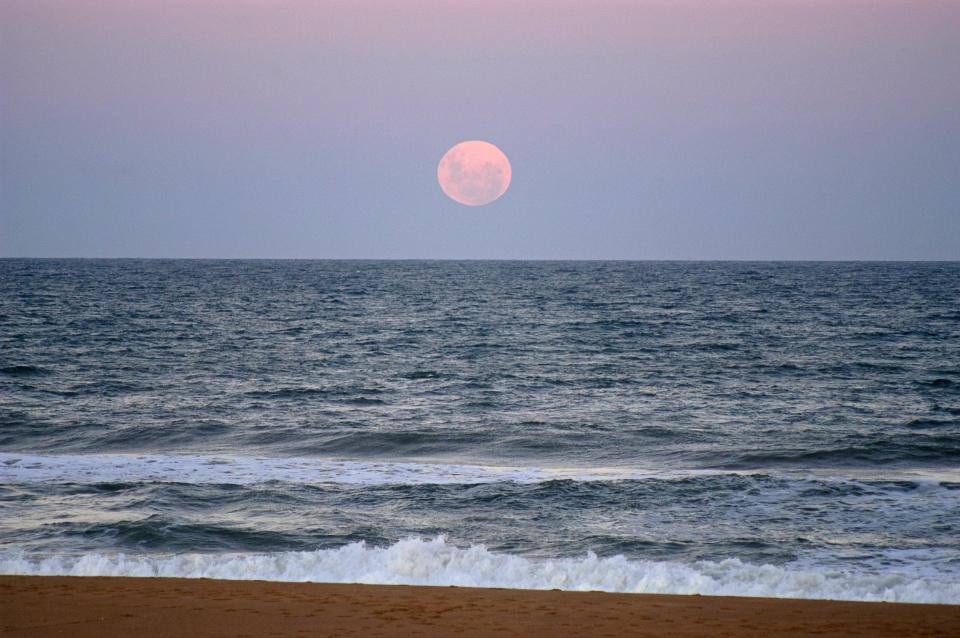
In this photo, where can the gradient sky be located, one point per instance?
(657, 129)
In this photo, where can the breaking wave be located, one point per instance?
(416, 561)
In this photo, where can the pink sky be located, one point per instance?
(645, 113)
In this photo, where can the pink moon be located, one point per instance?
(474, 173)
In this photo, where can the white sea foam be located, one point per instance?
(240, 470)
(416, 561)
(248, 470)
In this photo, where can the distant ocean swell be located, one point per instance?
(416, 561)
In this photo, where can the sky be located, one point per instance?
(646, 129)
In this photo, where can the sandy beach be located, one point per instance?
(150, 607)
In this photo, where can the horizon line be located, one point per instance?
(495, 259)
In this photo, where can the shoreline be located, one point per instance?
(150, 607)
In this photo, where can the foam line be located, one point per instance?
(30, 468)
(248, 470)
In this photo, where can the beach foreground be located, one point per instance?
(147, 607)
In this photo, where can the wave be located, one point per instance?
(247, 470)
(86, 468)
(298, 392)
(416, 561)
(900, 449)
(24, 371)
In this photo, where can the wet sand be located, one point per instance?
(149, 607)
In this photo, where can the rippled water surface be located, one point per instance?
(756, 428)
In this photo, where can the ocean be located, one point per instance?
(759, 429)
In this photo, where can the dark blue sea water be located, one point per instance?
(780, 429)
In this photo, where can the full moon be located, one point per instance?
(474, 173)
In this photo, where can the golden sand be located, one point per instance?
(149, 607)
